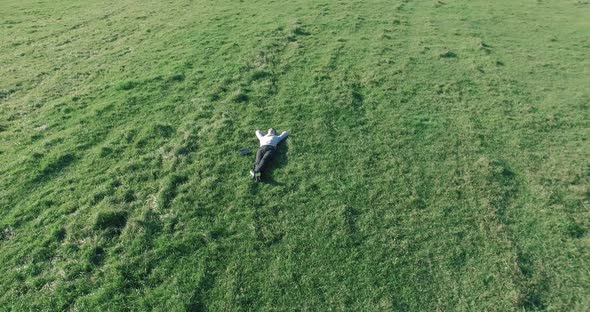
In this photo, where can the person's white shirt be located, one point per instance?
(270, 139)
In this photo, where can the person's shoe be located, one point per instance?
(253, 174)
(257, 176)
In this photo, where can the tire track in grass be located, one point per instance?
(341, 112)
(502, 188)
(270, 64)
(509, 190)
(416, 266)
(417, 17)
(254, 87)
(341, 98)
(265, 230)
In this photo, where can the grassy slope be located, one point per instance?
(413, 179)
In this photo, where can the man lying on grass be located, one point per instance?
(268, 146)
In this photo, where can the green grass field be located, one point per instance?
(438, 158)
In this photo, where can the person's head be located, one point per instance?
(272, 131)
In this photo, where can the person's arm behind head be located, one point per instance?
(259, 134)
(284, 135)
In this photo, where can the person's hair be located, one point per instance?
(272, 131)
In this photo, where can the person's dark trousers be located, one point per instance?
(263, 157)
